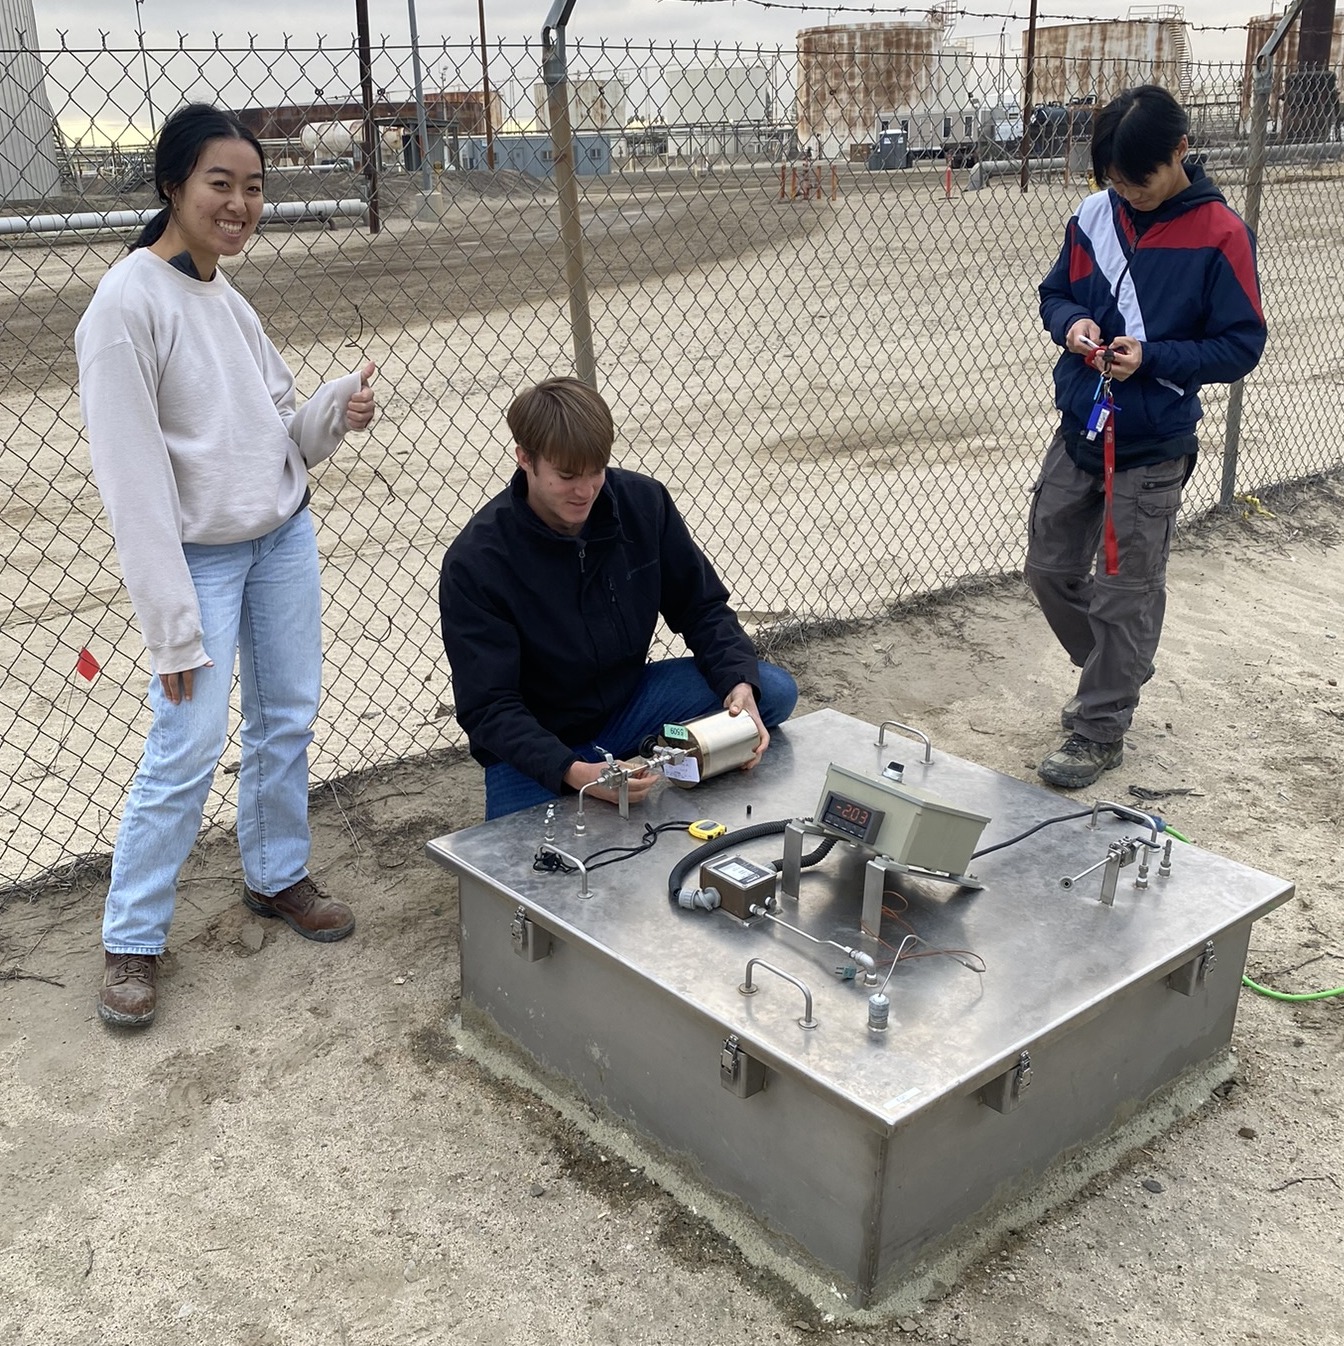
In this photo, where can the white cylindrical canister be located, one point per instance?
(718, 743)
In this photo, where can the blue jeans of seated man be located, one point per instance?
(261, 601)
(671, 691)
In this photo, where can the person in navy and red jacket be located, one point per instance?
(1156, 285)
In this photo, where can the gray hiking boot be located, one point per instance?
(1079, 761)
(1069, 711)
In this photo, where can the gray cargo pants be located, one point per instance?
(1110, 625)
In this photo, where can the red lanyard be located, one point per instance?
(1103, 419)
(1110, 543)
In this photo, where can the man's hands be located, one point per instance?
(581, 773)
(742, 700)
(1126, 352)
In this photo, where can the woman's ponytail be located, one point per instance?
(153, 231)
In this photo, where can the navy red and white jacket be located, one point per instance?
(1182, 279)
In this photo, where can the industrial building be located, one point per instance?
(534, 155)
(450, 116)
(29, 162)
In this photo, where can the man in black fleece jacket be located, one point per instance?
(549, 599)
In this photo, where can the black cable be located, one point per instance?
(1063, 818)
(550, 863)
(646, 842)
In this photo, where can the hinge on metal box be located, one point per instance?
(1188, 976)
(1005, 1093)
(739, 1073)
(530, 941)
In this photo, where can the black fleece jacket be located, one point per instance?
(548, 635)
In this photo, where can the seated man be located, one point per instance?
(549, 598)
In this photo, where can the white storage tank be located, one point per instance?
(29, 166)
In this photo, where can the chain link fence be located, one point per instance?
(811, 277)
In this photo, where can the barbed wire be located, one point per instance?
(1011, 16)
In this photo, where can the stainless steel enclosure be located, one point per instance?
(863, 1150)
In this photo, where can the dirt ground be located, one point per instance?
(297, 1152)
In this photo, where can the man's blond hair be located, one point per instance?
(565, 422)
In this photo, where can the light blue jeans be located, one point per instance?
(262, 601)
(671, 690)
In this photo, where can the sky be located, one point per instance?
(683, 21)
(102, 99)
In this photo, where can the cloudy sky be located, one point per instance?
(728, 21)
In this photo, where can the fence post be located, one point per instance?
(1255, 181)
(370, 134)
(556, 78)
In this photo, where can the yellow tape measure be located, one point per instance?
(706, 829)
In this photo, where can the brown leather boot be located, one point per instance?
(305, 908)
(128, 995)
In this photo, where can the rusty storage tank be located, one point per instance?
(1258, 31)
(848, 74)
(1098, 60)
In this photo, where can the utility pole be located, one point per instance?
(485, 94)
(144, 64)
(366, 94)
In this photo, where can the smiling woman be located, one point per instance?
(215, 211)
(201, 457)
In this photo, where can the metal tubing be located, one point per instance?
(863, 960)
(1125, 811)
(807, 1021)
(556, 77)
(132, 219)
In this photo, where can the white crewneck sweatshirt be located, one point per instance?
(193, 433)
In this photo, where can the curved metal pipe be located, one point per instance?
(909, 729)
(569, 859)
(807, 1021)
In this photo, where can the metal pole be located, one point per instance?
(556, 78)
(485, 95)
(144, 62)
(1255, 181)
(1028, 93)
(421, 128)
(366, 94)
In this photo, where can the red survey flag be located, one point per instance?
(87, 666)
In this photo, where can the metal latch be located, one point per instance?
(530, 941)
(739, 1073)
(1187, 977)
(1005, 1093)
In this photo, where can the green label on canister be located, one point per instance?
(676, 732)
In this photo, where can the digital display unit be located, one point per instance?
(847, 816)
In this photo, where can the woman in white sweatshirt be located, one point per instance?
(201, 458)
